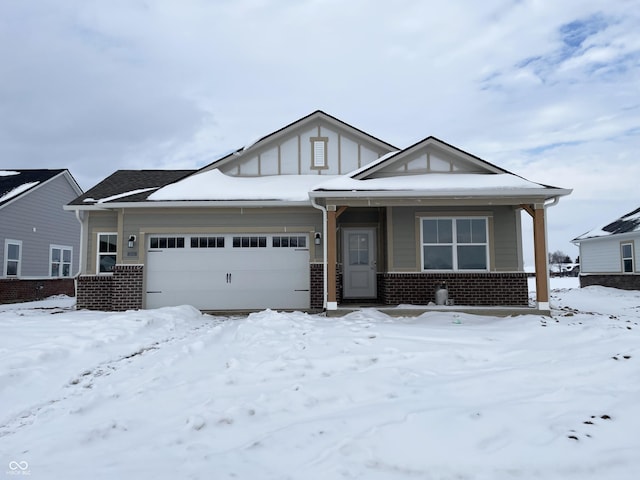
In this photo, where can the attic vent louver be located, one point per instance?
(318, 154)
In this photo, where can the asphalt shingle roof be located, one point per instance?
(626, 224)
(123, 181)
(12, 181)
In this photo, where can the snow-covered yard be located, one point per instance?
(171, 393)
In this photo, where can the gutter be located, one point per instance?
(444, 194)
(190, 203)
(324, 252)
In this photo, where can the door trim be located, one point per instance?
(370, 269)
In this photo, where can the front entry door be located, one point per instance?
(359, 265)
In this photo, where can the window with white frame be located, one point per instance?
(107, 250)
(627, 257)
(60, 261)
(12, 257)
(454, 243)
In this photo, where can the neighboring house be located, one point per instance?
(316, 215)
(39, 240)
(608, 255)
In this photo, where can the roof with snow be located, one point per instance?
(465, 176)
(628, 223)
(15, 183)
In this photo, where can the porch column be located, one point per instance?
(332, 303)
(540, 250)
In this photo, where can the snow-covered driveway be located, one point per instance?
(171, 393)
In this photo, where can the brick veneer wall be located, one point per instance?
(94, 292)
(118, 292)
(18, 290)
(623, 282)
(316, 286)
(128, 284)
(473, 289)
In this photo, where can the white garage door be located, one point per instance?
(228, 272)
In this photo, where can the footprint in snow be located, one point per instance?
(575, 435)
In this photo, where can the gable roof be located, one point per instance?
(397, 156)
(628, 223)
(469, 177)
(281, 132)
(487, 180)
(18, 183)
(132, 185)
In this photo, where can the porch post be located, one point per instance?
(540, 250)
(332, 303)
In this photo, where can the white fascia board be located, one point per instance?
(613, 236)
(510, 193)
(192, 203)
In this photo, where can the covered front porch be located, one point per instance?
(399, 286)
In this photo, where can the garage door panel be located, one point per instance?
(229, 278)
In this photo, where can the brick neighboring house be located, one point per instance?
(317, 215)
(39, 240)
(608, 254)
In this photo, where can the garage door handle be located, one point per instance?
(228, 278)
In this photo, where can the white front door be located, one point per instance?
(359, 266)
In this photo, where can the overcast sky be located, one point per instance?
(547, 89)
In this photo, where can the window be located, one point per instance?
(454, 244)
(319, 152)
(249, 242)
(12, 257)
(207, 242)
(166, 242)
(627, 257)
(60, 261)
(107, 248)
(291, 241)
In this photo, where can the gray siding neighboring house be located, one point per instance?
(39, 240)
(609, 254)
(317, 215)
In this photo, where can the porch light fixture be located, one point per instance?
(318, 238)
(132, 241)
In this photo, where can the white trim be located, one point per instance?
(332, 305)
(632, 257)
(543, 306)
(98, 253)
(8, 242)
(62, 248)
(454, 244)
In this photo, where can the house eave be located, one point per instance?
(191, 204)
(616, 236)
(521, 195)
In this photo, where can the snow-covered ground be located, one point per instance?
(171, 393)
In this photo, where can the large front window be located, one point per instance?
(454, 244)
(107, 249)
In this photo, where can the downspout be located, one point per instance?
(81, 259)
(553, 203)
(324, 251)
